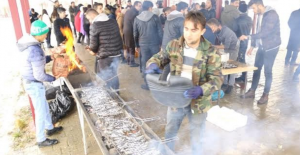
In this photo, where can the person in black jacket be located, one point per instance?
(294, 41)
(72, 10)
(128, 32)
(268, 40)
(209, 12)
(163, 16)
(243, 25)
(173, 28)
(61, 22)
(33, 16)
(129, 5)
(106, 44)
(147, 32)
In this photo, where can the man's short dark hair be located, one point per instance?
(159, 3)
(255, 2)
(232, 1)
(202, 5)
(146, 5)
(243, 7)
(197, 18)
(181, 6)
(91, 11)
(96, 5)
(213, 21)
(167, 9)
(32, 9)
(72, 2)
(85, 9)
(61, 10)
(136, 3)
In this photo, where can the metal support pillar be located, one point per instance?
(15, 18)
(81, 120)
(25, 9)
(218, 8)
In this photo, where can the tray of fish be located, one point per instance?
(226, 65)
(122, 132)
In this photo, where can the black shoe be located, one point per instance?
(250, 94)
(50, 46)
(134, 65)
(224, 86)
(228, 90)
(47, 142)
(145, 87)
(54, 130)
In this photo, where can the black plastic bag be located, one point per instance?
(60, 106)
(51, 91)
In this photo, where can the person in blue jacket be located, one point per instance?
(33, 74)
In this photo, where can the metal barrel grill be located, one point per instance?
(114, 125)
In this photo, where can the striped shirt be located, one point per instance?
(189, 56)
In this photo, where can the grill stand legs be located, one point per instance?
(81, 120)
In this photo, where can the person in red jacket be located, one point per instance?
(79, 24)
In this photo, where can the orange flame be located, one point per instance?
(69, 49)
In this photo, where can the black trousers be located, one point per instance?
(80, 37)
(87, 32)
(74, 29)
(48, 39)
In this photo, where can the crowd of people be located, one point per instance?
(185, 41)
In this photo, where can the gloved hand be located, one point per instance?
(153, 69)
(193, 93)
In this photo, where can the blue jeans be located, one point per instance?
(147, 51)
(197, 126)
(266, 59)
(229, 79)
(36, 91)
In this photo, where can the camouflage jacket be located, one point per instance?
(206, 69)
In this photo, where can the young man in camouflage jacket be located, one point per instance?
(193, 57)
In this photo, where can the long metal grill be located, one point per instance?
(121, 130)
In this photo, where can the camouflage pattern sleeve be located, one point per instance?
(213, 73)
